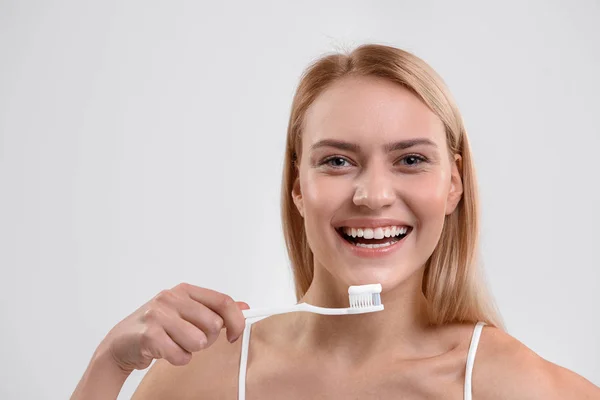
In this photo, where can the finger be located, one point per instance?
(221, 304)
(242, 305)
(159, 344)
(184, 334)
(201, 317)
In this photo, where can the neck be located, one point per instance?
(403, 323)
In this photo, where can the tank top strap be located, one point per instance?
(244, 360)
(471, 359)
(468, 372)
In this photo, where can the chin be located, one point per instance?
(389, 277)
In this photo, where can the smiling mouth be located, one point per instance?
(374, 238)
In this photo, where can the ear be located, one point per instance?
(297, 196)
(456, 186)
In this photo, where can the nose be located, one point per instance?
(374, 189)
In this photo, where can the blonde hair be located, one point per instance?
(453, 284)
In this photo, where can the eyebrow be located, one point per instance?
(401, 145)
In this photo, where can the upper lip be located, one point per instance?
(370, 223)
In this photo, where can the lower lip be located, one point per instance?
(375, 252)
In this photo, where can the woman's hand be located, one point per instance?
(173, 325)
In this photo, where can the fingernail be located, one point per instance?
(203, 343)
(233, 340)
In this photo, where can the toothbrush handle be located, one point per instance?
(265, 312)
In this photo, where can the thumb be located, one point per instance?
(242, 305)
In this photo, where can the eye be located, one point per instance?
(336, 162)
(412, 160)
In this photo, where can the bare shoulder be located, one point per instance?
(212, 373)
(507, 369)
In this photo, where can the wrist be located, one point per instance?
(103, 378)
(103, 360)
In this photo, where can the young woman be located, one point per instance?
(378, 187)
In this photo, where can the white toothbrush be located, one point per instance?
(363, 299)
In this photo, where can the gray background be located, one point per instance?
(142, 143)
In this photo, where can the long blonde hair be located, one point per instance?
(453, 284)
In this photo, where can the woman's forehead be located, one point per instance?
(370, 109)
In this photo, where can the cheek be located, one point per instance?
(427, 199)
(322, 197)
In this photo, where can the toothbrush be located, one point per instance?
(363, 299)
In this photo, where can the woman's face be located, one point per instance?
(375, 181)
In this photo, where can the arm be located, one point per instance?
(506, 369)
(568, 384)
(103, 379)
(172, 326)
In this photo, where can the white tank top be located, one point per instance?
(468, 370)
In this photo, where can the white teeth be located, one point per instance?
(374, 246)
(376, 233)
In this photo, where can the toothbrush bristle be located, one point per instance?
(376, 299)
(364, 296)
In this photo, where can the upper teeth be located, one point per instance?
(377, 233)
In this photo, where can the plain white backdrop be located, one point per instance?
(141, 145)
